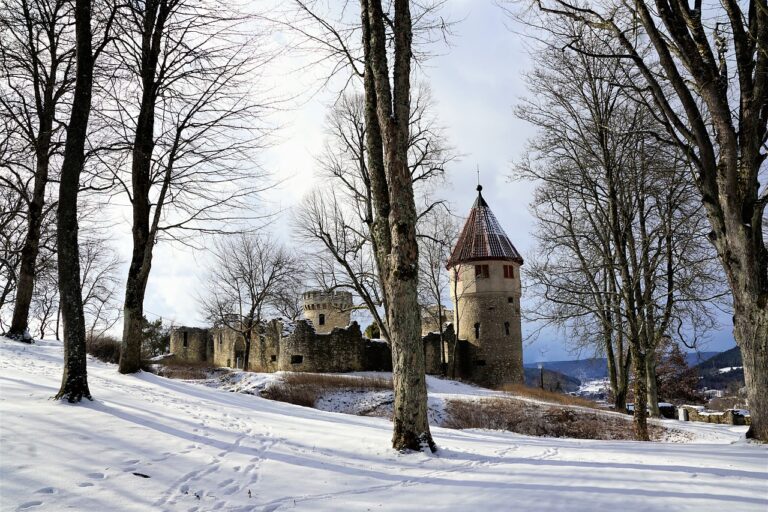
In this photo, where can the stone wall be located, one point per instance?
(191, 344)
(341, 350)
(229, 348)
(729, 417)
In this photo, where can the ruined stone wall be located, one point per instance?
(327, 311)
(729, 417)
(377, 357)
(493, 305)
(229, 348)
(191, 344)
(341, 350)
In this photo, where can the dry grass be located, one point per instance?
(551, 397)
(174, 369)
(305, 388)
(539, 420)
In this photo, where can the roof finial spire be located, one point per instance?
(479, 186)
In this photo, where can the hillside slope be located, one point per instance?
(148, 443)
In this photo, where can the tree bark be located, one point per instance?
(751, 328)
(74, 381)
(653, 394)
(640, 391)
(26, 283)
(396, 233)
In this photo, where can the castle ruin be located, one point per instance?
(485, 287)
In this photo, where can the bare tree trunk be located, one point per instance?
(653, 394)
(26, 283)
(74, 381)
(396, 233)
(640, 403)
(751, 328)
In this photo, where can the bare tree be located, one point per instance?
(11, 241)
(713, 104)
(185, 112)
(387, 114)
(437, 233)
(340, 224)
(623, 254)
(74, 381)
(246, 280)
(36, 59)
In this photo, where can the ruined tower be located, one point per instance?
(327, 310)
(484, 269)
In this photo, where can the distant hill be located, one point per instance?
(597, 367)
(712, 374)
(551, 378)
(725, 359)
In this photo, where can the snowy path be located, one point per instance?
(204, 449)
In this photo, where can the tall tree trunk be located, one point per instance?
(652, 393)
(396, 234)
(640, 391)
(751, 329)
(74, 382)
(31, 248)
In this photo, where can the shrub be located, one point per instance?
(305, 388)
(539, 420)
(174, 369)
(103, 348)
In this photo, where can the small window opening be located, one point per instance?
(297, 359)
(509, 272)
(477, 330)
(273, 358)
(511, 300)
(185, 343)
(506, 328)
(321, 320)
(480, 362)
(481, 271)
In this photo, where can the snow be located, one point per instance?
(729, 369)
(204, 449)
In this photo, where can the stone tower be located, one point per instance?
(327, 310)
(484, 268)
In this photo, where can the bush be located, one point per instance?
(305, 388)
(103, 348)
(174, 369)
(540, 420)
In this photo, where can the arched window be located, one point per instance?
(506, 328)
(321, 320)
(477, 330)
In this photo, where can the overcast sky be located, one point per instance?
(476, 83)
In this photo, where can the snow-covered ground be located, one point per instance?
(149, 443)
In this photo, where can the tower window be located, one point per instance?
(477, 330)
(481, 271)
(321, 319)
(511, 300)
(506, 328)
(185, 343)
(509, 272)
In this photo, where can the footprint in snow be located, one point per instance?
(47, 490)
(96, 476)
(85, 484)
(29, 504)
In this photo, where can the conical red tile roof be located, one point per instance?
(482, 237)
